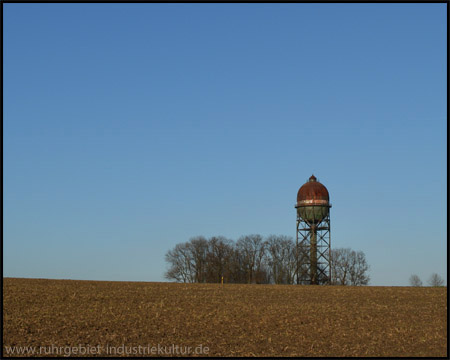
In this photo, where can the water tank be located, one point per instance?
(313, 201)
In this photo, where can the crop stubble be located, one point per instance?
(231, 320)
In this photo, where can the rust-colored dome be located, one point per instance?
(312, 192)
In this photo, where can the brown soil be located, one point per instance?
(230, 320)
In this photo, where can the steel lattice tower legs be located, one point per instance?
(313, 252)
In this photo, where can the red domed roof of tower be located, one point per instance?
(311, 191)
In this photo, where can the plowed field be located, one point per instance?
(89, 318)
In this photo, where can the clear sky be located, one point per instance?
(129, 128)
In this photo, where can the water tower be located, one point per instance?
(313, 234)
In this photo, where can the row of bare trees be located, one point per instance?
(434, 280)
(207, 260)
(253, 259)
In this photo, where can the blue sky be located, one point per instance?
(129, 128)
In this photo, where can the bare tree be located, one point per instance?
(414, 280)
(198, 247)
(279, 250)
(181, 264)
(435, 280)
(340, 265)
(359, 269)
(349, 267)
(291, 262)
(220, 252)
(252, 249)
(237, 273)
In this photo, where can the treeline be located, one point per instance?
(254, 259)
